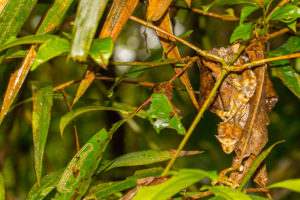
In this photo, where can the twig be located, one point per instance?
(262, 61)
(198, 50)
(73, 121)
(280, 32)
(147, 84)
(66, 84)
(210, 14)
(196, 120)
(187, 65)
(200, 195)
(154, 64)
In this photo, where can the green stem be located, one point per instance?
(196, 120)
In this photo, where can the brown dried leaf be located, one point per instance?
(85, 83)
(117, 17)
(15, 82)
(165, 24)
(156, 9)
(271, 95)
(255, 134)
(207, 82)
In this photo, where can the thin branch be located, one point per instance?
(66, 84)
(73, 121)
(280, 32)
(200, 195)
(147, 84)
(187, 65)
(262, 61)
(154, 64)
(197, 49)
(210, 14)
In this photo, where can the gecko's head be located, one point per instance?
(228, 142)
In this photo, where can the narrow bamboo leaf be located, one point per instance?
(89, 77)
(286, 13)
(13, 17)
(15, 54)
(15, 82)
(3, 5)
(32, 39)
(243, 31)
(42, 103)
(105, 189)
(166, 41)
(227, 2)
(54, 16)
(77, 176)
(292, 184)
(161, 115)
(246, 11)
(256, 164)
(86, 22)
(188, 2)
(227, 193)
(48, 184)
(283, 68)
(101, 50)
(117, 17)
(59, 9)
(2, 188)
(115, 107)
(156, 9)
(49, 50)
(143, 158)
(179, 181)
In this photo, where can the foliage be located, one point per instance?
(118, 150)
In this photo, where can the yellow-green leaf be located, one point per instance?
(42, 103)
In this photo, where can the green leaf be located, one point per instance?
(125, 109)
(246, 11)
(77, 176)
(293, 25)
(243, 31)
(254, 197)
(101, 50)
(87, 18)
(227, 192)
(227, 2)
(32, 39)
(47, 185)
(179, 181)
(54, 16)
(105, 189)
(42, 103)
(143, 158)
(49, 50)
(2, 188)
(292, 184)
(256, 164)
(161, 115)
(13, 17)
(283, 68)
(286, 13)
